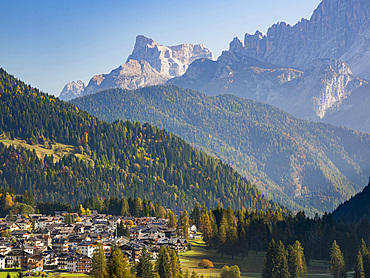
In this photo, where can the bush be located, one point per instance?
(205, 264)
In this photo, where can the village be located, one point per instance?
(39, 242)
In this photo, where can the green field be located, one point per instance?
(57, 150)
(14, 272)
(250, 266)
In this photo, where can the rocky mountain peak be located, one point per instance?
(131, 75)
(339, 29)
(168, 60)
(72, 90)
(236, 45)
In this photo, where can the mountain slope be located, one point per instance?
(125, 159)
(355, 209)
(311, 94)
(301, 164)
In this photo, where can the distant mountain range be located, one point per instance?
(300, 164)
(305, 69)
(149, 64)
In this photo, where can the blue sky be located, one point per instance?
(49, 43)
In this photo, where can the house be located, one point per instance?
(32, 262)
(24, 224)
(2, 261)
(60, 245)
(13, 259)
(20, 234)
(87, 248)
(78, 263)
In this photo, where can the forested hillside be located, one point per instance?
(303, 165)
(126, 159)
(355, 209)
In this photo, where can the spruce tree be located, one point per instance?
(163, 266)
(117, 265)
(171, 220)
(144, 268)
(337, 264)
(363, 248)
(280, 269)
(269, 260)
(175, 264)
(292, 262)
(302, 266)
(99, 266)
(359, 266)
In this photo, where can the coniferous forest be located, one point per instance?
(302, 165)
(125, 159)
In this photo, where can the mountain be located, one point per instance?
(131, 75)
(168, 60)
(338, 29)
(303, 165)
(121, 159)
(72, 90)
(149, 64)
(311, 94)
(355, 209)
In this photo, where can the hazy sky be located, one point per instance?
(50, 43)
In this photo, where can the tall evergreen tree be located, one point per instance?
(163, 266)
(267, 271)
(175, 264)
(171, 220)
(292, 262)
(99, 266)
(144, 268)
(337, 264)
(302, 265)
(117, 265)
(280, 269)
(359, 266)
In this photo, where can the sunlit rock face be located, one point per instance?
(338, 29)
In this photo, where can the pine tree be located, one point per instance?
(144, 268)
(194, 274)
(280, 269)
(363, 248)
(337, 265)
(195, 215)
(163, 266)
(175, 264)
(292, 262)
(359, 266)
(206, 228)
(117, 265)
(99, 266)
(302, 266)
(171, 220)
(269, 260)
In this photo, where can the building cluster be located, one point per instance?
(46, 242)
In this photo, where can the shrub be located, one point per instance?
(205, 263)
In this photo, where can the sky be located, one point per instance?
(50, 43)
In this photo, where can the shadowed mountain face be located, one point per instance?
(303, 165)
(355, 209)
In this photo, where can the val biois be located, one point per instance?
(122, 159)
